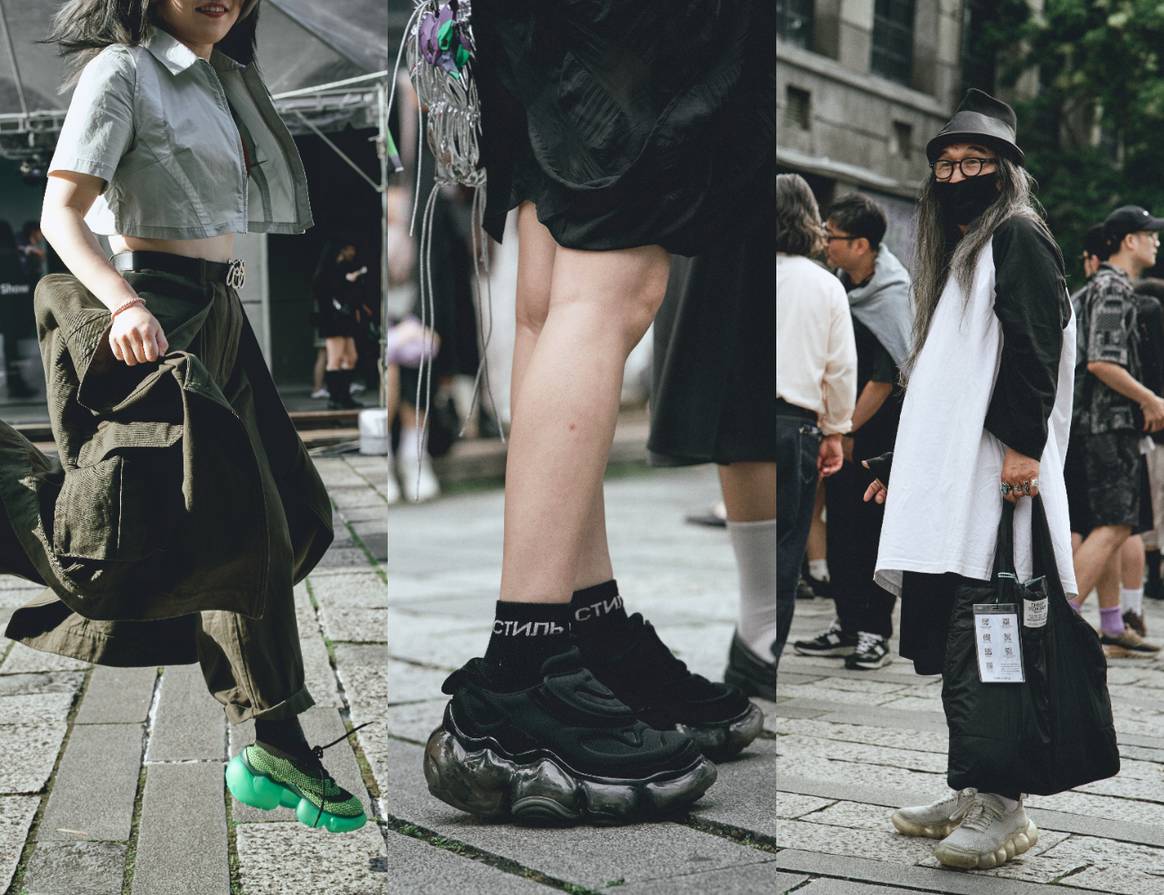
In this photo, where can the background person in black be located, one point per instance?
(1149, 295)
(16, 319)
(878, 288)
(343, 305)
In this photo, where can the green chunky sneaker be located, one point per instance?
(265, 778)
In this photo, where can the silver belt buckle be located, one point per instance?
(236, 275)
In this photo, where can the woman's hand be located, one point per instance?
(137, 337)
(831, 455)
(1021, 473)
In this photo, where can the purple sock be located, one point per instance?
(1111, 621)
(1076, 604)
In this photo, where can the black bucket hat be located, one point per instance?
(980, 118)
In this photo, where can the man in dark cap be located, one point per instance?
(1113, 410)
(984, 419)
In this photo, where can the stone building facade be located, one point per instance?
(863, 84)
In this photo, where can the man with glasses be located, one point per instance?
(1113, 409)
(878, 291)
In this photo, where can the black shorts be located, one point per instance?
(1115, 472)
(1075, 478)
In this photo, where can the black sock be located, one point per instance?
(335, 385)
(524, 636)
(285, 735)
(596, 609)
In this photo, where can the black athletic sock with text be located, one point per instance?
(597, 609)
(524, 636)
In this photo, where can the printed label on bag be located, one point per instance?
(999, 642)
(1035, 613)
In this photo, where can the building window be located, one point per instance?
(893, 39)
(901, 143)
(797, 108)
(794, 22)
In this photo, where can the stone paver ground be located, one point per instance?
(443, 582)
(854, 745)
(111, 781)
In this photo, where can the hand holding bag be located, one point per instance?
(1052, 732)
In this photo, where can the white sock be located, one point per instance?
(754, 544)
(1132, 600)
(406, 451)
(819, 569)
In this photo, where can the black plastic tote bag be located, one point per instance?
(1052, 732)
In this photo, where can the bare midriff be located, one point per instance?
(213, 248)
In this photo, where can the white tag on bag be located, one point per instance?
(999, 642)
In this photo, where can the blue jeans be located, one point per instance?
(797, 446)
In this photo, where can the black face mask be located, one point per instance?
(965, 200)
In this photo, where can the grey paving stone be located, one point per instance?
(912, 759)
(411, 683)
(744, 794)
(16, 813)
(415, 720)
(181, 845)
(291, 859)
(321, 725)
(75, 868)
(41, 682)
(35, 708)
(22, 659)
(319, 676)
(786, 882)
(927, 879)
(437, 640)
(355, 624)
(92, 796)
(190, 723)
(30, 751)
(374, 540)
(363, 670)
(418, 868)
(117, 696)
(583, 855)
(754, 878)
(343, 558)
(848, 887)
(361, 587)
(923, 740)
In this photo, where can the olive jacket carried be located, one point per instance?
(181, 486)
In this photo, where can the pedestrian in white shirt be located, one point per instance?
(816, 381)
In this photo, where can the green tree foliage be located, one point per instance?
(1099, 65)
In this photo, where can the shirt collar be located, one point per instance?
(168, 50)
(1111, 268)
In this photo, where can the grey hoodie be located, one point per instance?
(883, 304)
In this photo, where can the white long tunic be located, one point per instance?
(943, 505)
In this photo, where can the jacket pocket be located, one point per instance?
(87, 516)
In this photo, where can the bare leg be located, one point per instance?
(749, 491)
(536, 252)
(1092, 556)
(317, 371)
(601, 303)
(1132, 563)
(1108, 585)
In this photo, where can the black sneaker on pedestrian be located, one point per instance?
(872, 652)
(804, 590)
(819, 586)
(1154, 590)
(1135, 621)
(748, 672)
(560, 751)
(643, 672)
(833, 642)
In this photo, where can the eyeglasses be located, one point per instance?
(829, 237)
(1151, 234)
(970, 167)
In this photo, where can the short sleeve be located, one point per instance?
(1111, 333)
(98, 128)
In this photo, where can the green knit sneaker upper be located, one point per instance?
(318, 788)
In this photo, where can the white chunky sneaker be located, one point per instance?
(988, 836)
(936, 821)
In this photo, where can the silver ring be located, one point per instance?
(1005, 488)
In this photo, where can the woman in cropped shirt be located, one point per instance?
(184, 506)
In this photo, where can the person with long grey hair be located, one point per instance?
(184, 507)
(986, 413)
(816, 382)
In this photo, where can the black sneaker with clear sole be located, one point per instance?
(562, 751)
(748, 672)
(641, 670)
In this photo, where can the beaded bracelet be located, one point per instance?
(127, 305)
